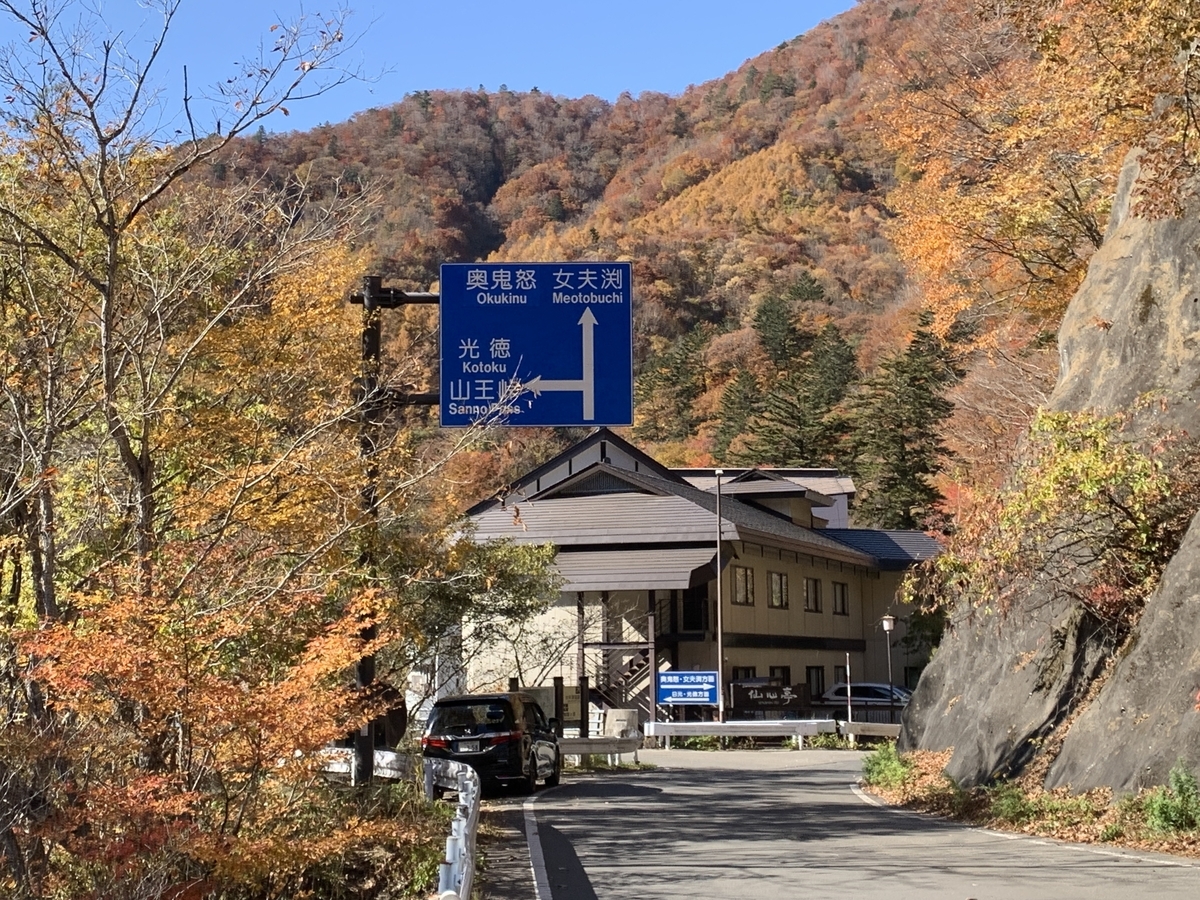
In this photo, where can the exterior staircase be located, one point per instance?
(630, 687)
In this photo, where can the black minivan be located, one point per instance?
(506, 738)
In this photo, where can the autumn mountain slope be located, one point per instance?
(753, 207)
(858, 249)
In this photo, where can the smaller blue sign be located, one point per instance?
(687, 689)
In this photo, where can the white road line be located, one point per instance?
(868, 799)
(1008, 836)
(865, 797)
(537, 861)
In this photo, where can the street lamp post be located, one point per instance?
(889, 622)
(720, 620)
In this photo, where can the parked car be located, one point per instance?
(506, 738)
(867, 694)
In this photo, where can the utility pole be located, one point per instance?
(373, 401)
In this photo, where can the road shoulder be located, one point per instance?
(506, 871)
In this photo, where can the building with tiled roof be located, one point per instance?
(802, 593)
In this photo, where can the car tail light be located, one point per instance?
(507, 737)
(437, 742)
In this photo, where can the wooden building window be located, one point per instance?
(743, 586)
(812, 594)
(777, 590)
(841, 599)
(815, 677)
(695, 609)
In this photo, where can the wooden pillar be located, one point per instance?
(559, 704)
(581, 628)
(651, 627)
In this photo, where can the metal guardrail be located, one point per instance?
(797, 728)
(457, 872)
(868, 729)
(388, 764)
(599, 745)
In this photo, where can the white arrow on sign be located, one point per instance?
(586, 384)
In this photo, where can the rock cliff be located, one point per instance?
(999, 687)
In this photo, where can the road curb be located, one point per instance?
(1110, 850)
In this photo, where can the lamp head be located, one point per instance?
(888, 622)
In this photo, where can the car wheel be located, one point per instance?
(528, 784)
(553, 779)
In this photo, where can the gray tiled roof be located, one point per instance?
(780, 488)
(893, 549)
(605, 519)
(645, 522)
(670, 512)
(635, 570)
(823, 481)
(752, 518)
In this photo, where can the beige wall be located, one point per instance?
(549, 647)
(870, 596)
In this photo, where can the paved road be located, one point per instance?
(766, 824)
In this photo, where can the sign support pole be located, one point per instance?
(372, 399)
(364, 669)
(720, 620)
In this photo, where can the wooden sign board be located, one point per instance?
(545, 698)
(771, 696)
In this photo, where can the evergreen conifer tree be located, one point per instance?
(780, 337)
(833, 367)
(896, 420)
(739, 403)
(667, 388)
(806, 288)
(798, 425)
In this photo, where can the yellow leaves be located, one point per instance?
(1016, 165)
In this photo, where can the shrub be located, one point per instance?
(1175, 807)
(697, 742)
(885, 768)
(827, 741)
(1008, 803)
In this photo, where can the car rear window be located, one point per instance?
(464, 719)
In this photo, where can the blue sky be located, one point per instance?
(565, 47)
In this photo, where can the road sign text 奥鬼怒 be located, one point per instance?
(537, 343)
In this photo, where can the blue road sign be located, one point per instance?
(537, 343)
(687, 689)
